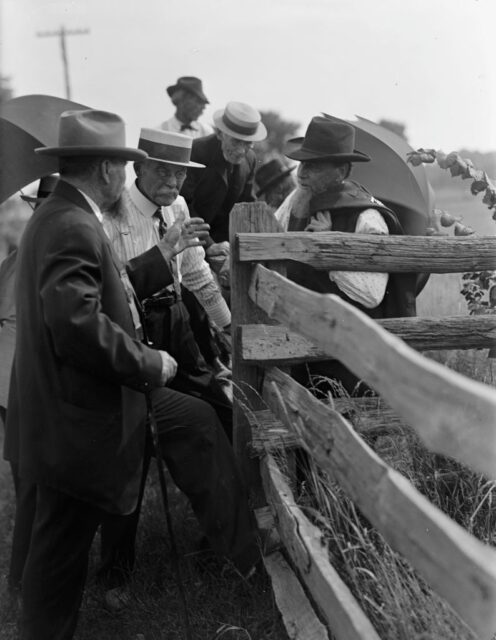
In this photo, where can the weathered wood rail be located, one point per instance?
(276, 324)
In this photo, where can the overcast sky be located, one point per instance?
(430, 64)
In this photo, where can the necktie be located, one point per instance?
(162, 228)
(162, 225)
(184, 127)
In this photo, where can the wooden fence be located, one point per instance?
(277, 323)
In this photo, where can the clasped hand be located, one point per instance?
(321, 221)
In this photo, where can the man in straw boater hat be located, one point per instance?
(76, 412)
(327, 200)
(274, 182)
(194, 442)
(230, 168)
(190, 101)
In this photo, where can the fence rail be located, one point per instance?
(453, 415)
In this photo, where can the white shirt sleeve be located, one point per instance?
(366, 288)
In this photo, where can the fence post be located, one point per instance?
(247, 378)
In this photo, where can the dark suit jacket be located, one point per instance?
(76, 416)
(211, 193)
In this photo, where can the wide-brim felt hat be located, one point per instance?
(270, 173)
(326, 139)
(168, 147)
(240, 121)
(90, 132)
(45, 187)
(191, 84)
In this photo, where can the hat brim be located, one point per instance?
(296, 152)
(33, 199)
(259, 135)
(123, 153)
(196, 165)
(175, 87)
(275, 180)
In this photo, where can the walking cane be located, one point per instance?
(165, 501)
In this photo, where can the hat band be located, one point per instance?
(165, 152)
(246, 130)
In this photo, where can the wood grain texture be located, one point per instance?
(302, 541)
(332, 250)
(459, 568)
(297, 613)
(454, 415)
(276, 344)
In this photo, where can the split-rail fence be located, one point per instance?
(276, 324)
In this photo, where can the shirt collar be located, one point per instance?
(192, 125)
(146, 207)
(93, 205)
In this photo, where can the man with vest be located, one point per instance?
(327, 200)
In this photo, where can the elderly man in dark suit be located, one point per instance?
(230, 168)
(76, 419)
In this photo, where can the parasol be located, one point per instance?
(28, 122)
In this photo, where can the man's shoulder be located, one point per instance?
(204, 147)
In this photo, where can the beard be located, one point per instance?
(300, 203)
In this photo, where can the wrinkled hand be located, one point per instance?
(169, 367)
(218, 249)
(321, 221)
(184, 234)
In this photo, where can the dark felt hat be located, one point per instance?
(45, 188)
(92, 133)
(191, 84)
(270, 174)
(326, 139)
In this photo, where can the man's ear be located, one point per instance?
(104, 171)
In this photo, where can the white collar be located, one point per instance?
(146, 207)
(192, 125)
(93, 205)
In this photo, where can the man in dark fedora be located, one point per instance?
(230, 168)
(327, 200)
(190, 101)
(274, 182)
(76, 412)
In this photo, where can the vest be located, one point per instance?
(345, 205)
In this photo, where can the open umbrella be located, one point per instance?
(387, 176)
(28, 122)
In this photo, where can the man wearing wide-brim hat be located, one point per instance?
(76, 412)
(327, 200)
(190, 101)
(230, 168)
(274, 182)
(193, 415)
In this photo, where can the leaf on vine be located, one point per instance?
(451, 159)
(470, 170)
(490, 197)
(458, 166)
(441, 159)
(480, 183)
(416, 158)
(463, 229)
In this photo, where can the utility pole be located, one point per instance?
(62, 33)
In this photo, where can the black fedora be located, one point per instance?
(191, 84)
(270, 174)
(326, 139)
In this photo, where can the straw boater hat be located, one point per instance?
(92, 133)
(240, 121)
(326, 139)
(270, 174)
(188, 83)
(167, 146)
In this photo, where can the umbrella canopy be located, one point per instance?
(28, 122)
(402, 187)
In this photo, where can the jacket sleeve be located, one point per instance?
(82, 333)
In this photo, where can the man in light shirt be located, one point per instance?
(190, 102)
(326, 200)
